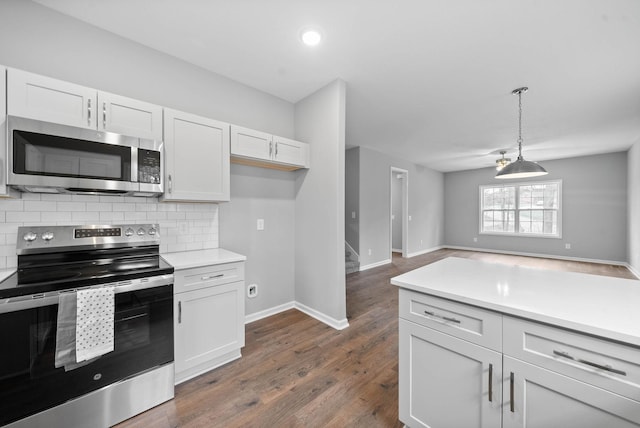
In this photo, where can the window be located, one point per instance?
(528, 209)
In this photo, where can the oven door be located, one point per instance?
(29, 381)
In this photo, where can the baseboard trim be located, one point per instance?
(546, 256)
(376, 264)
(428, 250)
(268, 312)
(633, 271)
(330, 321)
(326, 319)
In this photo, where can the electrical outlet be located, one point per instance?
(252, 290)
(475, 239)
(409, 218)
(369, 251)
(353, 214)
(260, 224)
(567, 246)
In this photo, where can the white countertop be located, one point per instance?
(198, 258)
(598, 305)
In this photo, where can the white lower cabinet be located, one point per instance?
(540, 377)
(208, 318)
(446, 381)
(539, 398)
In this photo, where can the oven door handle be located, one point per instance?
(19, 303)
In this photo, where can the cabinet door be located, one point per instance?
(197, 158)
(208, 323)
(446, 381)
(3, 133)
(249, 143)
(544, 399)
(127, 116)
(38, 97)
(290, 152)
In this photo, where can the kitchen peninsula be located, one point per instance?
(489, 345)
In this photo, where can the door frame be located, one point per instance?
(404, 217)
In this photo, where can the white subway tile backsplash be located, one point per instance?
(71, 206)
(183, 226)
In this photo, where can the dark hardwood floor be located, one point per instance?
(297, 372)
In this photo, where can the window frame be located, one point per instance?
(517, 210)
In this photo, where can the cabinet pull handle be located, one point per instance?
(490, 382)
(170, 184)
(276, 155)
(457, 321)
(270, 148)
(589, 363)
(511, 394)
(179, 312)
(89, 111)
(204, 278)
(104, 115)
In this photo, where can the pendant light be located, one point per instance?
(521, 168)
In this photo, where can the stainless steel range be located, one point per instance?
(86, 327)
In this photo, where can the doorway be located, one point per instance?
(399, 211)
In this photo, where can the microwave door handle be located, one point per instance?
(104, 116)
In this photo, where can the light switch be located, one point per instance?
(260, 224)
(353, 214)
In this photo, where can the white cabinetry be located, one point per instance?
(39, 97)
(256, 148)
(4, 191)
(197, 158)
(453, 354)
(209, 318)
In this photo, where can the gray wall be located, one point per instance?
(270, 195)
(352, 200)
(426, 206)
(634, 207)
(594, 209)
(39, 40)
(320, 206)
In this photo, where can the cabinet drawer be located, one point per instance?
(207, 276)
(457, 319)
(609, 365)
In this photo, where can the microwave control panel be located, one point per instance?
(149, 166)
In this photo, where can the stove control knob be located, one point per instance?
(141, 232)
(47, 236)
(128, 232)
(30, 236)
(153, 231)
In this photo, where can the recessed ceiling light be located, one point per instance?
(311, 36)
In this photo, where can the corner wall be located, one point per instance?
(320, 207)
(426, 207)
(594, 210)
(352, 200)
(634, 207)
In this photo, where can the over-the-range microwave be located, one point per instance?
(52, 158)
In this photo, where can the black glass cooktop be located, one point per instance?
(43, 273)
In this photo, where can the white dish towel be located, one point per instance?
(94, 322)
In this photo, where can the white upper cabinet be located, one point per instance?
(127, 116)
(256, 148)
(39, 97)
(197, 158)
(3, 134)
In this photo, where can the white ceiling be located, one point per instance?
(427, 80)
